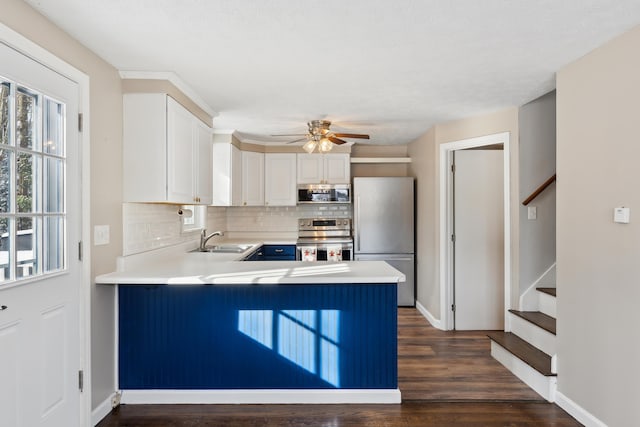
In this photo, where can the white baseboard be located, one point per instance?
(250, 397)
(577, 411)
(434, 322)
(102, 410)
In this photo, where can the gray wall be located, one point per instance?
(598, 270)
(537, 125)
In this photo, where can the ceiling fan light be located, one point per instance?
(309, 146)
(325, 145)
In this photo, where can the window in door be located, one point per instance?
(32, 183)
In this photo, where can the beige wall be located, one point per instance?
(424, 167)
(423, 155)
(106, 171)
(598, 273)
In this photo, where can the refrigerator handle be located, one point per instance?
(357, 223)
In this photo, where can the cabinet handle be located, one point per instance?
(279, 251)
(3, 308)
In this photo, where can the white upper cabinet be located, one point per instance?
(164, 146)
(204, 176)
(252, 178)
(333, 168)
(280, 179)
(227, 175)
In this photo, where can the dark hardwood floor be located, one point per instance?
(446, 379)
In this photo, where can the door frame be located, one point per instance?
(446, 222)
(46, 58)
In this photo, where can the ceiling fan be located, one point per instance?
(319, 135)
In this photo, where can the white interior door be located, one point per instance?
(40, 223)
(479, 240)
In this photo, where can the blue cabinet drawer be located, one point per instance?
(279, 252)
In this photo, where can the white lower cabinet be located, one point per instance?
(280, 179)
(166, 151)
(252, 178)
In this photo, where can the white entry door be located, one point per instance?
(479, 240)
(40, 274)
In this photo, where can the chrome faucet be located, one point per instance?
(204, 238)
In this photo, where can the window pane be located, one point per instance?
(53, 128)
(5, 249)
(26, 120)
(54, 185)
(4, 112)
(26, 246)
(27, 167)
(53, 247)
(6, 201)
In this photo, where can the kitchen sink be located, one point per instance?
(224, 248)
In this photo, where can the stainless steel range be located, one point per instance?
(323, 239)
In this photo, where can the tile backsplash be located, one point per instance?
(277, 222)
(153, 226)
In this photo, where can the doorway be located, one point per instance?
(43, 303)
(447, 226)
(478, 244)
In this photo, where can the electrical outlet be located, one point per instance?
(532, 212)
(115, 400)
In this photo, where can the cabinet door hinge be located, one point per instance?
(453, 307)
(453, 238)
(81, 380)
(80, 124)
(80, 250)
(453, 168)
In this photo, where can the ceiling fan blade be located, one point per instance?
(351, 135)
(335, 140)
(290, 134)
(296, 140)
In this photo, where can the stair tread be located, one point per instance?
(542, 320)
(550, 291)
(524, 351)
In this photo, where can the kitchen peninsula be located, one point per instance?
(210, 328)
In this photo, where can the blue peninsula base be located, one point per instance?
(330, 339)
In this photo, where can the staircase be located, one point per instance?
(529, 350)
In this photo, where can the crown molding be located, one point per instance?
(173, 79)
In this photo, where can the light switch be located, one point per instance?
(621, 215)
(101, 235)
(532, 212)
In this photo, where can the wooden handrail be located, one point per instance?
(539, 190)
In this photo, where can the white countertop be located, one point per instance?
(226, 268)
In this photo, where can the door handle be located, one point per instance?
(4, 307)
(279, 251)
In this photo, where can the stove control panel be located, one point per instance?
(324, 227)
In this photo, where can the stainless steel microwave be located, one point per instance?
(324, 193)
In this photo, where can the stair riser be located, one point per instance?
(543, 385)
(547, 304)
(533, 334)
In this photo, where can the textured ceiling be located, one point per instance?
(392, 69)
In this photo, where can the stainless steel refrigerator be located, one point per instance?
(384, 227)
